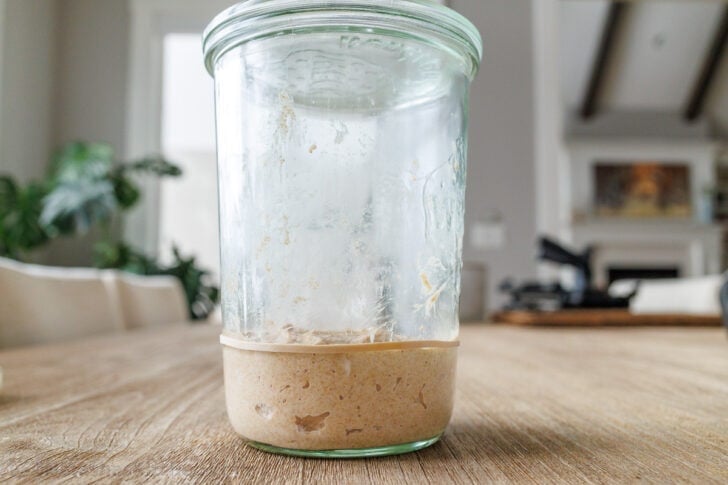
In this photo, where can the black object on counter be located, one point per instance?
(553, 296)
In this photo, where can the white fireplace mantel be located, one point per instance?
(692, 247)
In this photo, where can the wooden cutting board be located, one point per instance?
(601, 318)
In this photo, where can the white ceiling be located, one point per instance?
(581, 23)
(657, 56)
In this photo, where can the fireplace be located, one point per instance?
(616, 273)
(635, 202)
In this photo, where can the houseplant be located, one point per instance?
(88, 187)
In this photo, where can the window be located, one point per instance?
(188, 213)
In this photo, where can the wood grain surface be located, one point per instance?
(533, 405)
(603, 318)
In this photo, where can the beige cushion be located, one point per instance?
(41, 304)
(151, 301)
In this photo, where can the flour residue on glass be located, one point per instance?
(348, 215)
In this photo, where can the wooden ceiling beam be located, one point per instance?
(615, 16)
(709, 71)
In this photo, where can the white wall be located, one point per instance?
(27, 86)
(551, 172)
(502, 137)
(92, 71)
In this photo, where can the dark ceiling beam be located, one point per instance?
(709, 71)
(615, 16)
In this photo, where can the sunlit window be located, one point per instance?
(188, 206)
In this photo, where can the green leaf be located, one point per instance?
(8, 195)
(20, 208)
(76, 206)
(82, 161)
(156, 166)
(126, 192)
(201, 295)
(109, 255)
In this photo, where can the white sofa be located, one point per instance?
(40, 304)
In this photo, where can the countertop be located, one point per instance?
(538, 405)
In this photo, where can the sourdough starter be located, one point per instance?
(343, 397)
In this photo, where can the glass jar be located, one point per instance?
(342, 141)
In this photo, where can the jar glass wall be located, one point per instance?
(342, 143)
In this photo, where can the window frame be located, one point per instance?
(151, 21)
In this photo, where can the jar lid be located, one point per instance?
(421, 19)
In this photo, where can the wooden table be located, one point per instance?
(602, 318)
(533, 405)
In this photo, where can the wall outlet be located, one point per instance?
(487, 236)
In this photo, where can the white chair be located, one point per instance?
(41, 304)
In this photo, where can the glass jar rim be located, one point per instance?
(422, 19)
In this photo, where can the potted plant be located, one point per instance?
(88, 187)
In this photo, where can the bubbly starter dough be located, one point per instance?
(372, 397)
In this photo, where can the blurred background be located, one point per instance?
(597, 123)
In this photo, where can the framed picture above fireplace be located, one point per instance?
(642, 189)
(637, 202)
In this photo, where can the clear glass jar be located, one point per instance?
(342, 141)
